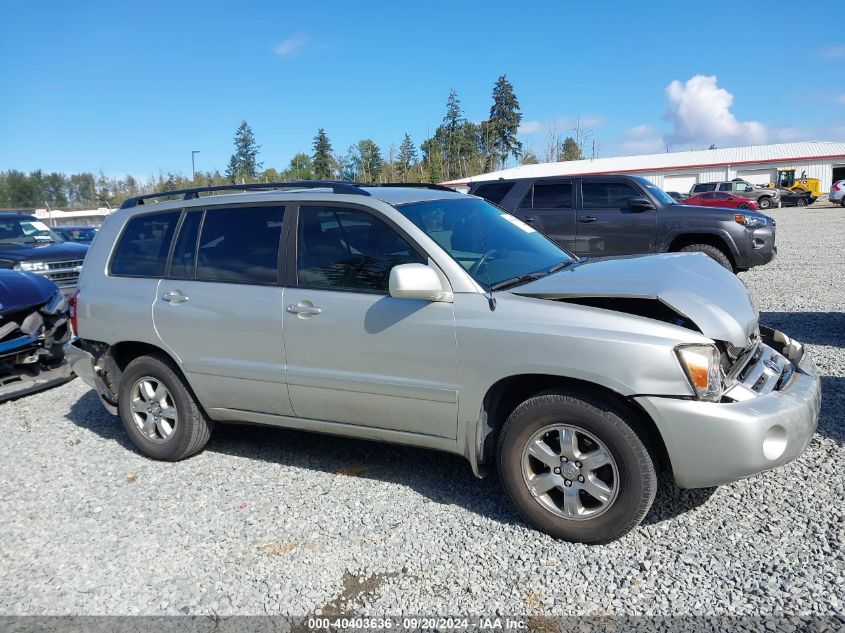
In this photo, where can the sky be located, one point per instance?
(133, 87)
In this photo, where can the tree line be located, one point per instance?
(457, 149)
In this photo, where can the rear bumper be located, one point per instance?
(715, 443)
(83, 365)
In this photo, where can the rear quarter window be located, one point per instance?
(143, 247)
(494, 192)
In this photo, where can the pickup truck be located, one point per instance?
(617, 214)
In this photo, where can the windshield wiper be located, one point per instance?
(507, 283)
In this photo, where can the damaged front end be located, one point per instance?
(32, 338)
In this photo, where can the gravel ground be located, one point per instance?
(273, 521)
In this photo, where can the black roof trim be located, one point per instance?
(194, 193)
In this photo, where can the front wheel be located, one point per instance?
(765, 202)
(713, 252)
(575, 468)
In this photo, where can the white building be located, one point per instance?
(679, 171)
(85, 217)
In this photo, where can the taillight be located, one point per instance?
(836, 186)
(72, 303)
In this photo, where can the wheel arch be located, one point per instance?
(508, 393)
(717, 240)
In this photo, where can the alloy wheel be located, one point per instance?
(153, 409)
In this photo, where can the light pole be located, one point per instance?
(194, 152)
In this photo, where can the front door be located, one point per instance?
(355, 354)
(219, 309)
(606, 223)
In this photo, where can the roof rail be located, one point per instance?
(415, 185)
(193, 193)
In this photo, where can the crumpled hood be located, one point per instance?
(20, 290)
(692, 284)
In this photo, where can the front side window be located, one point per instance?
(492, 245)
(143, 247)
(240, 245)
(607, 195)
(347, 249)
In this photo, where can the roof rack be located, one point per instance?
(415, 185)
(194, 193)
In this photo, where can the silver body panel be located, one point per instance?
(417, 372)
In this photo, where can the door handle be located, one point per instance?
(304, 310)
(587, 219)
(174, 296)
(529, 219)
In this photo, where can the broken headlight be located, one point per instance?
(701, 363)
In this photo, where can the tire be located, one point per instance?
(743, 205)
(190, 429)
(630, 476)
(765, 202)
(842, 201)
(713, 252)
(801, 202)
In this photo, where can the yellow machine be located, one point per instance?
(786, 180)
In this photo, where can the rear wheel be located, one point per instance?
(713, 252)
(160, 414)
(801, 202)
(743, 205)
(575, 468)
(765, 202)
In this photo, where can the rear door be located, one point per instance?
(549, 206)
(219, 308)
(606, 223)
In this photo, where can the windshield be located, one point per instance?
(77, 235)
(662, 196)
(25, 230)
(492, 245)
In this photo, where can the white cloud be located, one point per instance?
(700, 114)
(290, 45)
(640, 139)
(531, 127)
(834, 52)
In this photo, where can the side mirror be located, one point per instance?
(640, 204)
(415, 281)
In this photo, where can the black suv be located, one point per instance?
(27, 244)
(615, 214)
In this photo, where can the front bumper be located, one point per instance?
(23, 383)
(716, 443)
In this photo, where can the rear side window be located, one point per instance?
(704, 186)
(494, 192)
(607, 195)
(726, 186)
(556, 195)
(184, 253)
(348, 249)
(143, 247)
(240, 245)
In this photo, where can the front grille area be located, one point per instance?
(760, 370)
(65, 273)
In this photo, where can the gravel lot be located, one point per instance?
(273, 521)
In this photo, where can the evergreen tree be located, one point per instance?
(505, 116)
(451, 129)
(407, 157)
(243, 165)
(370, 163)
(570, 150)
(322, 158)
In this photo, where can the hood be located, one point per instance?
(691, 284)
(42, 252)
(20, 290)
(728, 212)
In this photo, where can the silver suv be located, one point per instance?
(766, 198)
(418, 315)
